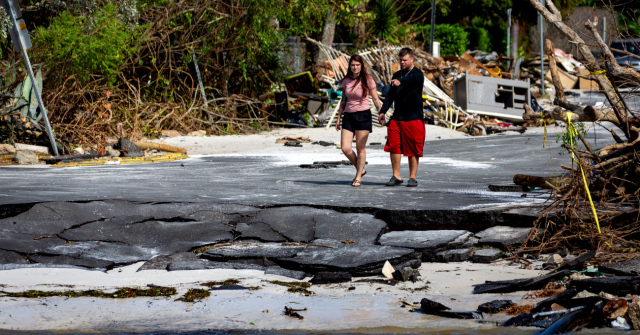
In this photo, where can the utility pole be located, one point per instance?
(21, 42)
(541, 28)
(509, 33)
(433, 25)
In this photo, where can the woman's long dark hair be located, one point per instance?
(362, 78)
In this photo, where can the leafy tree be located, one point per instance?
(629, 24)
(78, 46)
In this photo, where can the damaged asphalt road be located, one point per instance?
(460, 169)
(246, 212)
(291, 241)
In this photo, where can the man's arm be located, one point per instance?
(388, 100)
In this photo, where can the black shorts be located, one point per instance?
(357, 121)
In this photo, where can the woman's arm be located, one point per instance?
(374, 96)
(343, 105)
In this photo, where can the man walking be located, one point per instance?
(405, 131)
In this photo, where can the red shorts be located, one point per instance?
(405, 137)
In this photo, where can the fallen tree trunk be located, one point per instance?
(158, 146)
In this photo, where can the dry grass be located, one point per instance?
(548, 291)
(519, 310)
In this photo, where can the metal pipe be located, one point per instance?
(541, 28)
(433, 25)
(34, 87)
(195, 64)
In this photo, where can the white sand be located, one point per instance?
(333, 307)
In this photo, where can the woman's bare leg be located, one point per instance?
(361, 158)
(346, 144)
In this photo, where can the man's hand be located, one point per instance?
(381, 119)
(395, 82)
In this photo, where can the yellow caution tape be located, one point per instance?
(544, 122)
(124, 160)
(573, 132)
(609, 81)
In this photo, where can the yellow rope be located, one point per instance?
(572, 134)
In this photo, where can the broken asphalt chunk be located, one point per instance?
(626, 268)
(157, 237)
(361, 228)
(503, 237)
(87, 262)
(296, 223)
(330, 278)
(279, 271)
(259, 231)
(425, 241)
(454, 255)
(432, 307)
(9, 257)
(486, 255)
(353, 258)
(252, 249)
(460, 315)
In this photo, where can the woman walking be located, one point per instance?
(358, 86)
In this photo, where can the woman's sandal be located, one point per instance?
(356, 183)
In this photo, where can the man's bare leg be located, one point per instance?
(413, 167)
(395, 165)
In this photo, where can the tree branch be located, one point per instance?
(590, 61)
(617, 69)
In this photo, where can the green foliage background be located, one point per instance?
(75, 46)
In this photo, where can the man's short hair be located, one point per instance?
(405, 51)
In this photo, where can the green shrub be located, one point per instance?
(75, 45)
(453, 39)
(479, 39)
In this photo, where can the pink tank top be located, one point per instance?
(356, 101)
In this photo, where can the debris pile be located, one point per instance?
(442, 106)
(596, 205)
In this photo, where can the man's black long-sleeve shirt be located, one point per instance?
(407, 96)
